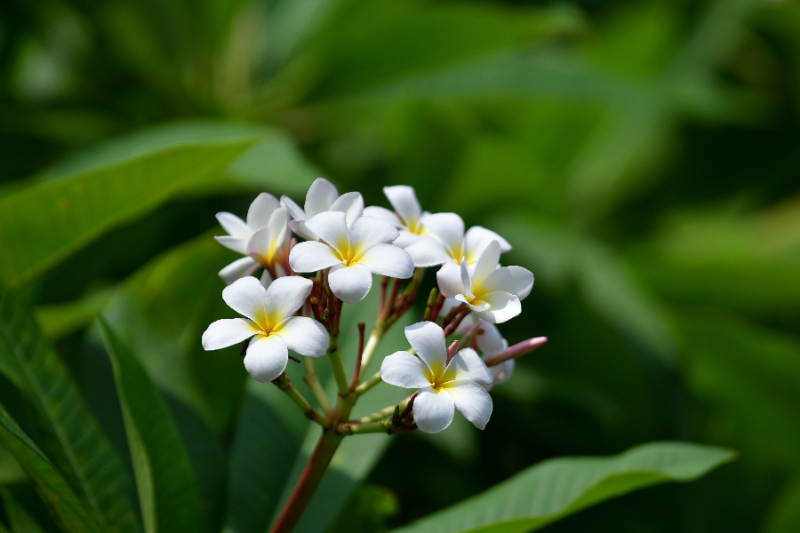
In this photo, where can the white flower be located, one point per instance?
(354, 254)
(443, 388)
(491, 292)
(260, 238)
(322, 196)
(406, 216)
(271, 323)
(447, 243)
(489, 341)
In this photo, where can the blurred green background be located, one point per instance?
(643, 158)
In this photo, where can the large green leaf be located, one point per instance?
(78, 447)
(167, 491)
(272, 163)
(559, 487)
(48, 221)
(67, 509)
(18, 517)
(254, 501)
(142, 314)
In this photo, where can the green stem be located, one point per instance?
(283, 383)
(338, 368)
(367, 385)
(307, 484)
(369, 349)
(384, 426)
(386, 412)
(313, 383)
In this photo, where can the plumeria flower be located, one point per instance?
(353, 255)
(322, 196)
(443, 387)
(406, 216)
(489, 341)
(447, 242)
(260, 238)
(270, 324)
(492, 292)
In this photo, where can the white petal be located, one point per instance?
(465, 278)
(332, 228)
(237, 244)
(449, 280)
(351, 204)
(227, 332)
(260, 246)
(402, 369)
(239, 268)
(299, 227)
(478, 238)
(388, 260)
(428, 252)
(475, 305)
(468, 366)
(266, 358)
(304, 335)
(502, 307)
(382, 213)
(490, 341)
(433, 411)
(514, 279)
(368, 232)
(294, 210)
(428, 342)
(260, 210)
(448, 228)
(266, 279)
(406, 239)
(278, 224)
(486, 265)
(286, 295)
(312, 256)
(235, 226)
(472, 401)
(350, 284)
(246, 296)
(404, 200)
(320, 197)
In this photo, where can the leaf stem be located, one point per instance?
(284, 384)
(368, 384)
(386, 412)
(369, 349)
(313, 383)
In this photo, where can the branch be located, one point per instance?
(283, 383)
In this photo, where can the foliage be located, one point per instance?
(640, 157)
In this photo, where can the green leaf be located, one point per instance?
(167, 490)
(79, 448)
(367, 510)
(142, 314)
(560, 487)
(48, 221)
(65, 506)
(18, 517)
(272, 163)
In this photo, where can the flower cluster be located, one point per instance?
(298, 302)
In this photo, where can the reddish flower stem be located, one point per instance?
(518, 350)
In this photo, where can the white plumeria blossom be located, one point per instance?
(447, 242)
(489, 341)
(260, 238)
(492, 292)
(270, 323)
(353, 255)
(407, 215)
(322, 196)
(443, 387)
